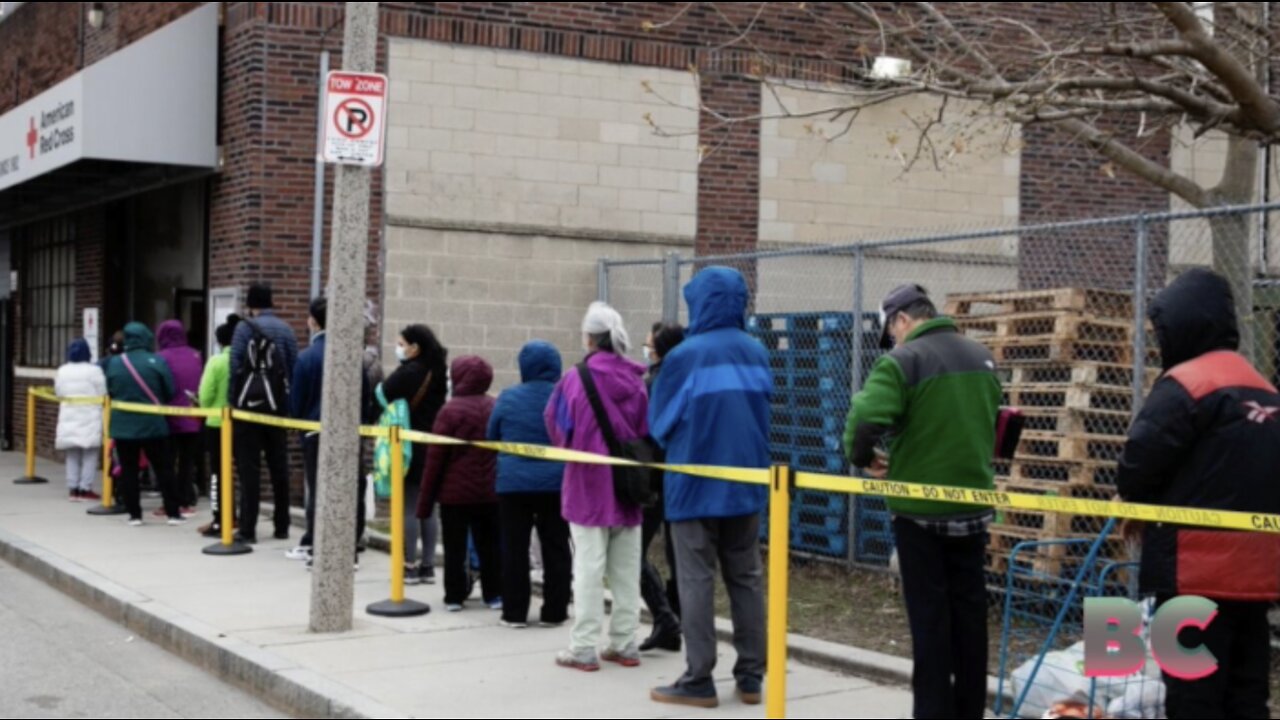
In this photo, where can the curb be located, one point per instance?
(276, 681)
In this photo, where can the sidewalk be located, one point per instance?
(244, 619)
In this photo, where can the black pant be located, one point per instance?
(662, 599)
(251, 441)
(1240, 638)
(160, 456)
(521, 513)
(188, 447)
(946, 596)
(311, 463)
(482, 523)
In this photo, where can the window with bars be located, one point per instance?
(48, 287)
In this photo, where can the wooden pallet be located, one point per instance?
(1065, 325)
(1045, 560)
(1013, 351)
(1082, 448)
(1075, 397)
(1107, 304)
(1081, 373)
(1051, 474)
(1074, 421)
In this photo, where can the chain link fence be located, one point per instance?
(1062, 308)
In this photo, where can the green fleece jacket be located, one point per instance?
(936, 399)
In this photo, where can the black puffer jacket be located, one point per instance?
(1208, 437)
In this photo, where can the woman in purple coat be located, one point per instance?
(187, 367)
(606, 533)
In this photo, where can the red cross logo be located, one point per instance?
(1260, 414)
(32, 137)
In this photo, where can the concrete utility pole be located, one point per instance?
(333, 571)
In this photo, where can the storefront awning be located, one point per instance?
(140, 118)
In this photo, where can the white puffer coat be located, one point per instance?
(79, 426)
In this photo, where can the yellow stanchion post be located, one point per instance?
(227, 496)
(30, 478)
(397, 606)
(108, 506)
(779, 569)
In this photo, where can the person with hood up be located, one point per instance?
(140, 376)
(529, 493)
(1208, 437)
(461, 478)
(422, 382)
(80, 426)
(606, 533)
(187, 367)
(710, 406)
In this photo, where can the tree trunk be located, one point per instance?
(1232, 259)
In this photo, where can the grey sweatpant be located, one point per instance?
(82, 467)
(735, 544)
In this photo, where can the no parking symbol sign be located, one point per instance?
(355, 118)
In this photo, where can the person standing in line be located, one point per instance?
(662, 599)
(140, 376)
(462, 480)
(80, 426)
(421, 380)
(710, 406)
(935, 398)
(263, 352)
(529, 494)
(1208, 437)
(606, 533)
(187, 367)
(214, 388)
(305, 403)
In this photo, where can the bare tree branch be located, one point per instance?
(1127, 158)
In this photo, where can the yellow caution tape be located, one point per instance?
(273, 421)
(1219, 519)
(46, 393)
(421, 438)
(164, 410)
(755, 476)
(373, 431)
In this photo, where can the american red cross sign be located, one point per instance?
(355, 118)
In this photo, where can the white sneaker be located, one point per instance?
(177, 522)
(302, 552)
(134, 523)
(453, 608)
(513, 625)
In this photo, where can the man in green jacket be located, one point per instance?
(934, 399)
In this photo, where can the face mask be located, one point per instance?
(648, 354)
(400, 354)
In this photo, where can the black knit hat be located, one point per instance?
(260, 297)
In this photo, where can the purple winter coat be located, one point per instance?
(187, 367)
(587, 498)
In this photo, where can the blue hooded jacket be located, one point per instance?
(518, 418)
(710, 403)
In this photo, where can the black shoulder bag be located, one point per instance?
(631, 485)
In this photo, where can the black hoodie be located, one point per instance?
(1208, 437)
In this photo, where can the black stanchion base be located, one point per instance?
(234, 548)
(391, 609)
(113, 510)
(31, 481)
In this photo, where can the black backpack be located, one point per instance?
(262, 385)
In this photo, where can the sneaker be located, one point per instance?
(90, 496)
(513, 625)
(453, 608)
(412, 576)
(628, 658)
(188, 512)
(135, 522)
(585, 661)
(748, 691)
(686, 695)
(74, 496)
(177, 522)
(494, 604)
(428, 576)
(552, 625)
(302, 552)
(245, 539)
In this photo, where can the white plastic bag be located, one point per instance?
(1143, 698)
(1059, 678)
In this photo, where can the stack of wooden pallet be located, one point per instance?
(1067, 358)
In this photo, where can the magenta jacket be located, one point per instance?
(187, 367)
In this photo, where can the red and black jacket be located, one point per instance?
(1208, 437)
